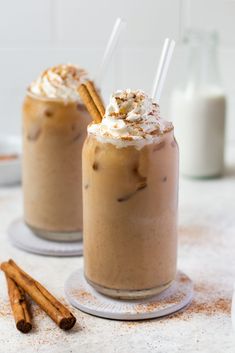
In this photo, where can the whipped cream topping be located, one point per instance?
(131, 118)
(59, 82)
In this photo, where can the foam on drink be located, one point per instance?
(59, 82)
(131, 118)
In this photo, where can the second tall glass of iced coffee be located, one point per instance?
(130, 196)
(54, 129)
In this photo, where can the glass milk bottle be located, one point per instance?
(198, 109)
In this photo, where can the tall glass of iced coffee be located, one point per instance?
(130, 192)
(54, 129)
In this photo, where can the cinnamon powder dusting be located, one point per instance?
(222, 305)
(5, 309)
(207, 300)
(83, 294)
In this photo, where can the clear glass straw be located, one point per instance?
(111, 45)
(162, 69)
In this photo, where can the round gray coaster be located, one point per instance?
(84, 297)
(23, 238)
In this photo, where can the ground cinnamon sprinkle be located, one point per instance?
(222, 305)
(207, 300)
(155, 305)
(36, 311)
(192, 235)
(5, 309)
(148, 307)
(8, 157)
(127, 138)
(82, 294)
(183, 278)
(218, 306)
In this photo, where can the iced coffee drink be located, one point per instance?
(130, 192)
(54, 129)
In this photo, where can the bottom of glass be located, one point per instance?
(129, 294)
(56, 236)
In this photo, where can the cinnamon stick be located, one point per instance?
(96, 97)
(19, 306)
(92, 100)
(56, 310)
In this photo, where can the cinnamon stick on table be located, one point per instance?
(19, 306)
(56, 310)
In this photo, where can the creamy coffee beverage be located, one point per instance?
(54, 129)
(130, 196)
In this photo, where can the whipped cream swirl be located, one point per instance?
(59, 82)
(131, 118)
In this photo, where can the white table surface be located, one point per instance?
(206, 254)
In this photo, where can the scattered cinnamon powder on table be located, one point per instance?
(218, 306)
(221, 305)
(208, 300)
(5, 308)
(193, 234)
(9, 157)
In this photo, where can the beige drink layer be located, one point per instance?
(130, 213)
(54, 132)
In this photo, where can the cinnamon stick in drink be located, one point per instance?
(56, 310)
(96, 97)
(92, 100)
(19, 306)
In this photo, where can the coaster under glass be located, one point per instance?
(84, 297)
(21, 236)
